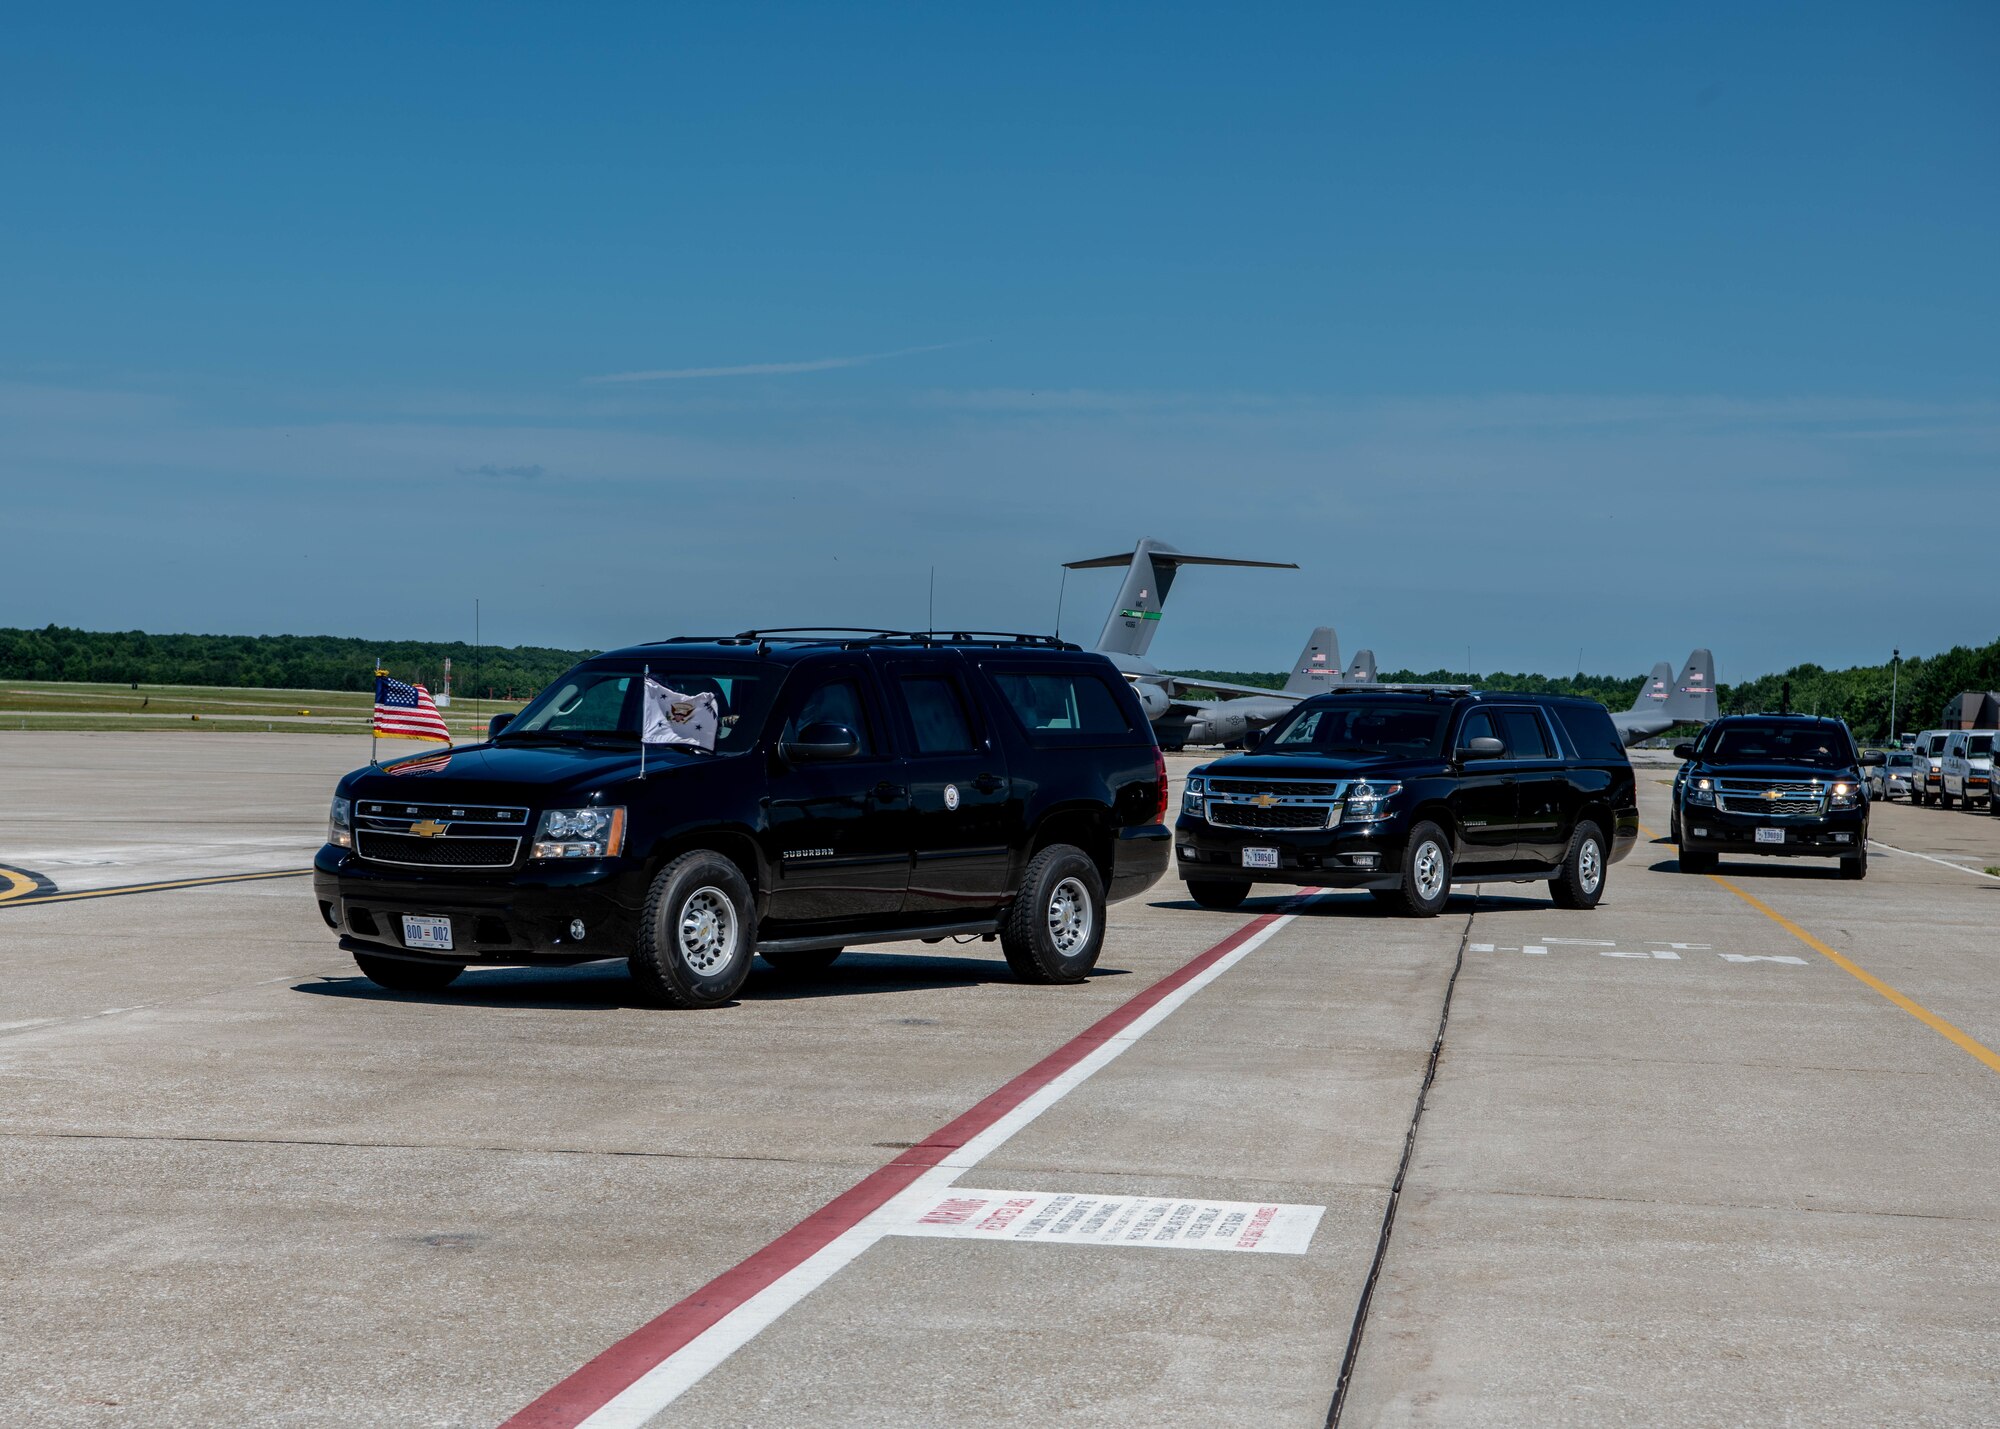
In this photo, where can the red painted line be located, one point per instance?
(608, 1375)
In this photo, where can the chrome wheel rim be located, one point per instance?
(1069, 916)
(1590, 866)
(707, 933)
(1428, 869)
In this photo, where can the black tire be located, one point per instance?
(1695, 861)
(802, 962)
(1944, 801)
(1220, 896)
(1673, 828)
(1054, 928)
(1426, 885)
(402, 975)
(1855, 867)
(698, 933)
(1584, 868)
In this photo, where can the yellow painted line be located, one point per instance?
(21, 902)
(1964, 1040)
(14, 885)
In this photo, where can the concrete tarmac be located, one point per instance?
(1678, 1165)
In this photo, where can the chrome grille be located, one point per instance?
(1282, 816)
(433, 835)
(1795, 798)
(1283, 788)
(1275, 803)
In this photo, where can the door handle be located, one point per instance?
(887, 793)
(986, 783)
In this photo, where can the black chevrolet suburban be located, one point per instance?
(1786, 786)
(849, 787)
(1403, 791)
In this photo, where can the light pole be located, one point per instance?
(1895, 673)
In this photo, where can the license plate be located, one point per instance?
(427, 933)
(1260, 858)
(1770, 836)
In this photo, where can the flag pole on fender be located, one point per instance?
(379, 673)
(645, 694)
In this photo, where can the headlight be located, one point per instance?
(1194, 796)
(340, 824)
(580, 833)
(1843, 795)
(1367, 803)
(1701, 791)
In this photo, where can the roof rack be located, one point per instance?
(855, 636)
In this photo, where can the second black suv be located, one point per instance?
(1787, 786)
(841, 788)
(1403, 791)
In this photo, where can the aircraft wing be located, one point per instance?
(1187, 682)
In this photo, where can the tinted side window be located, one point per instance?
(833, 702)
(937, 717)
(1525, 739)
(1591, 731)
(1066, 703)
(1478, 725)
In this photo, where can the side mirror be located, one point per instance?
(1252, 739)
(498, 723)
(1484, 746)
(817, 743)
(1683, 751)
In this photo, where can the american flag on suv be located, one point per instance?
(407, 712)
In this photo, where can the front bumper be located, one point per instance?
(522, 916)
(1838, 833)
(1351, 856)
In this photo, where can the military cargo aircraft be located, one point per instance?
(1666, 700)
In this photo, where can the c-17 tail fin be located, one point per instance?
(1150, 570)
(1318, 666)
(1653, 691)
(1692, 698)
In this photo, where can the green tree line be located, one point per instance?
(1860, 695)
(279, 662)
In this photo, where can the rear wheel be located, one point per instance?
(1695, 861)
(1054, 929)
(1221, 896)
(1581, 882)
(695, 938)
(802, 962)
(1426, 873)
(402, 975)
(1855, 867)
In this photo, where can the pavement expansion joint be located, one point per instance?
(1674, 1203)
(333, 1144)
(1367, 1298)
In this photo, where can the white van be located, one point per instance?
(1967, 767)
(1927, 779)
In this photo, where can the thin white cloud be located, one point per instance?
(772, 369)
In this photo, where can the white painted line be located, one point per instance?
(681, 1371)
(1140, 1222)
(1761, 958)
(1927, 858)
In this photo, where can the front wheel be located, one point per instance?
(403, 975)
(1694, 861)
(1855, 867)
(1581, 882)
(1220, 896)
(696, 937)
(1426, 873)
(1054, 929)
(1944, 801)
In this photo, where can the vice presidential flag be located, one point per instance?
(407, 712)
(674, 718)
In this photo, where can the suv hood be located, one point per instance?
(1311, 766)
(1772, 773)
(513, 773)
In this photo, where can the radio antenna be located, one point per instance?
(1061, 586)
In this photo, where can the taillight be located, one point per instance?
(1160, 772)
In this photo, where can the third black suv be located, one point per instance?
(1781, 785)
(836, 788)
(1401, 791)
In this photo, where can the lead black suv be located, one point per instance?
(1401, 791)
(862, 787)
(1785, 786)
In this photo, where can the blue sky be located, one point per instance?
(1525, 328)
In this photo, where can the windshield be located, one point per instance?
(1824, 746)
(600, 704)
(1366, 726)
(1979, 744)
(1900, 761)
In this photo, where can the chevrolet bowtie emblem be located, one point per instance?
(1265, 801)
(428, 828)
(1772, 794)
